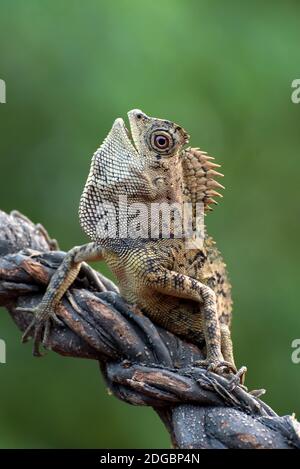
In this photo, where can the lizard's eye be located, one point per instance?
(161, 141)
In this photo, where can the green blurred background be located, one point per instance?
(223, 70)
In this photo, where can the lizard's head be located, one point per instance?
(156, 137)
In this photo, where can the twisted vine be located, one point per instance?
(141, 363)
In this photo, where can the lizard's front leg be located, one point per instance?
(178, 285)
(59, 283)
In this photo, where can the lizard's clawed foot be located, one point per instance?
(217, 366)
(39, 327)
(238, 379)
(224, 367)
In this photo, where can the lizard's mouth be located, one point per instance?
(140, 126)
(127, 136)
(136, 118)
(131, 135)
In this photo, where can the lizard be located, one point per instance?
(185, 290)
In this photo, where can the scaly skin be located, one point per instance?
(185, 290)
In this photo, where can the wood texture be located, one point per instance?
(141, 363)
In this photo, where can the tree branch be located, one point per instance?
(141, 363)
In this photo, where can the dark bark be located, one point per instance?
(141, 363)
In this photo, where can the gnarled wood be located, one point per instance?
(141, 363)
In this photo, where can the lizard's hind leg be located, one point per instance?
(172, 283)
(61, 280)
(226, 344)
(227, 352)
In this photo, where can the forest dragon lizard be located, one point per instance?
(184, 289)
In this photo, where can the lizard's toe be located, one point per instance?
(238, 379)
(39, 327)
(217, 366)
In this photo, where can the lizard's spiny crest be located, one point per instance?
(199, 174)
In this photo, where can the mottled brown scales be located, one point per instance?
(180, 283)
